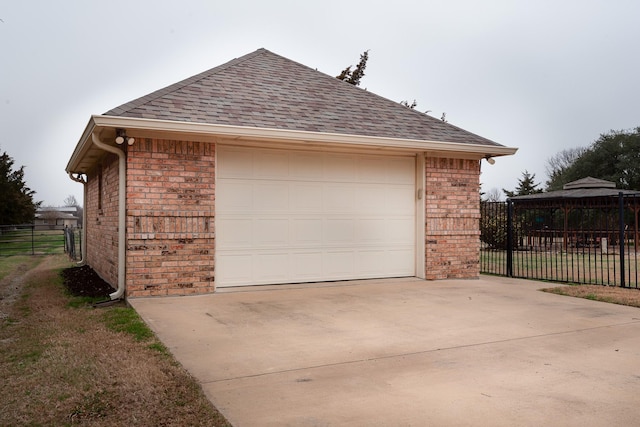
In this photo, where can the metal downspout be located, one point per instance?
(83, 253)
(122, 193)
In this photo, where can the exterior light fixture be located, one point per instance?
(121, 137)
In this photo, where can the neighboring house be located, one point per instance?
(265, 171)
(58, 217)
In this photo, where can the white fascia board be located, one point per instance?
(83, 145)
(243, 132)
(255, 133)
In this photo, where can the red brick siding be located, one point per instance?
(170, 218)
(171, 212)
(102, 224)
(452, 215)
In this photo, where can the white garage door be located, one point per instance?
(297, 216)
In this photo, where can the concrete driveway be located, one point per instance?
(406, 352)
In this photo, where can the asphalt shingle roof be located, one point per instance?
(266, 90)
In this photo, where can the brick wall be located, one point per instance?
(452, 214)
(170, 217)
(102, 219)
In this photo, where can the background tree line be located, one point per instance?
(17, 205)
(16, 199)
(614, 156)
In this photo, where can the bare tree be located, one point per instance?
(70, 201)
(493, 195)
(560, 162)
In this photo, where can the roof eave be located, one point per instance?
(82, 147)
(98, 122)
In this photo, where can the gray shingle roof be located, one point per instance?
(266, 90)
(589, 182)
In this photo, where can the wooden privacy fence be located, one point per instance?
(589, 241)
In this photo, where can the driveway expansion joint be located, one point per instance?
(415, 353)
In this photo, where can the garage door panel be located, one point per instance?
(339, 264)
(399, 199)
(307, 167)
(307, 231)
(235, 195)
(271, 196)
(373, 230)
(234, 269)
(271, 165)
(368, 199)
(401, 170)
(271, 267)
(339, 167)
(339, 198)
(307, 265)
(306, 197)
(400, 231)
(234, 232)
(237, 163)
(372, 262)
(372, 169)
(312, 216)
(339, 231)
(400, 262)
(271, 232)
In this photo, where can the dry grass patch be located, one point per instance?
(61, 365)
(611, 294)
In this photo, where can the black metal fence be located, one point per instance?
(589, 241)
(30, 239)
(73, 245)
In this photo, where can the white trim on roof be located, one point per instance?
(205, 130)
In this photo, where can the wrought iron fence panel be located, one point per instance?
(590, 241)
(493, 237)
(30, 239)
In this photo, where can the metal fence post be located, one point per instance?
(621, 238)
(509, 238)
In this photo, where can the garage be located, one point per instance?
(293, 216)
(266, 171)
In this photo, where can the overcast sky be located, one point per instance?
(538, 75)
